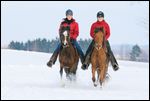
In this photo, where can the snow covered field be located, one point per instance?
(24, 75)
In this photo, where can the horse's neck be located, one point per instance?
(68, 53)
(68, 49)
(100, 51)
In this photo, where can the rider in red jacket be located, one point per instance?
(74, 29)
(74, 32)
(100, 23)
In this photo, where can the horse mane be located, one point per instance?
(101, 29)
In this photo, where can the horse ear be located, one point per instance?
(96, 30)
(102, 29)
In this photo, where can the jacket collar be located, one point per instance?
(68, 21)
(100, 22)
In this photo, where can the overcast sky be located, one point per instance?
(21, 21)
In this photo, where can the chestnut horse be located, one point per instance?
(99, 58)
(68, 56)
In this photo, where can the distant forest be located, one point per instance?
(123, 52)
(44, 45)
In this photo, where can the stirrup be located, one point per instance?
(115, 67)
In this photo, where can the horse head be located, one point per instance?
(65, 36)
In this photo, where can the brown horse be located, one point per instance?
(68, 56)
(99, 58)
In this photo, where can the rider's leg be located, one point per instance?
(112, 57)
(79, 50)
(88, 55)
(54, 56)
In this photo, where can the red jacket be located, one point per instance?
(74, 29)
(100, 24)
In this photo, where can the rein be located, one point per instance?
(65, 46)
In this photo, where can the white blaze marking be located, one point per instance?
(65, 34)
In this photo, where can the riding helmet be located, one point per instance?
(100, 14)
(69, 12)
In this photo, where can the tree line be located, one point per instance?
(44, 45)
(48, 46)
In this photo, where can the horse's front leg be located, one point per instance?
(102, 74)
(61, 71)
(93, 75)
(61, 76)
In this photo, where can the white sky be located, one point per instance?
(25, 20)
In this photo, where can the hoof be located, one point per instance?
(101, 87)
(95, 84)
(108, 77)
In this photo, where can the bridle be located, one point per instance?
(65, 46)
(65, 43)
(97, 46)
(65, 35)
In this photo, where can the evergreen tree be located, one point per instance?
(12, 45)
(136, 51)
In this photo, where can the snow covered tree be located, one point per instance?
(136, 51)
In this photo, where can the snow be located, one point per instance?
(25, 76)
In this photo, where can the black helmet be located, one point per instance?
(69, 12)
(100, 14)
